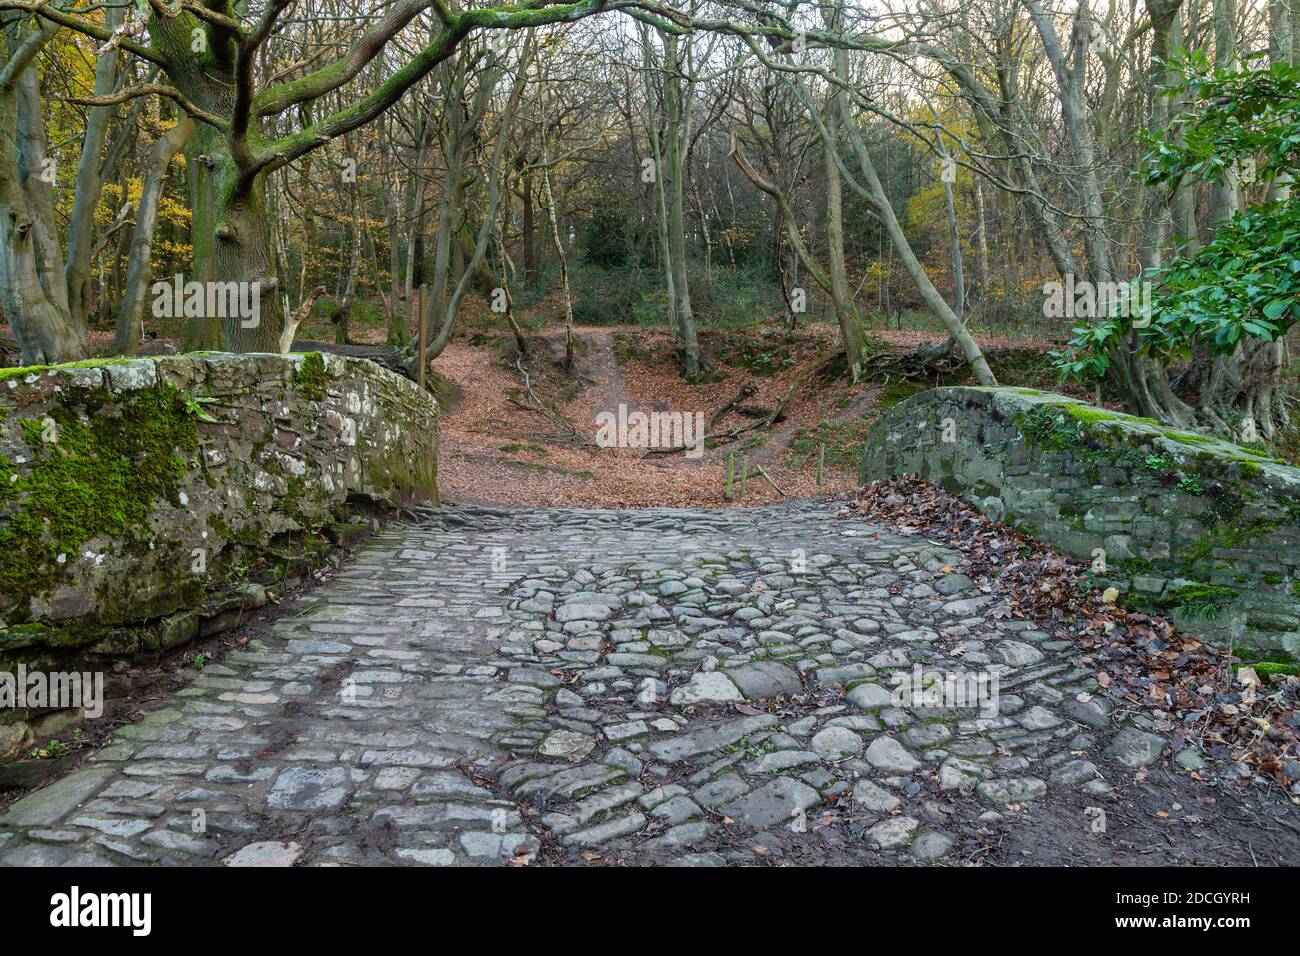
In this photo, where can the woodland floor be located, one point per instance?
(501, 446)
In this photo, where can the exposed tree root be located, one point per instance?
(925, 362)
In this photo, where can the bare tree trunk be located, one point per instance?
(415, 220)
(447, 212)
(660, 187)
(529, 227)
(397, 328)
(704, 230)
(521, 340)
(958, 268)
(564, 271)
(674, 174)
(871, 190)
(1182, 206)
(1070, 81)
(81, 224)
(455, 146)
(852, 331)
(875, 194)
(1225, 196)
(982, 240)
(344, 314)
(140, 259)
(462, 118)
(397, 333)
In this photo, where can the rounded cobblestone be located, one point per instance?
(497, 686)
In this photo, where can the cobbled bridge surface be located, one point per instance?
(565, 686)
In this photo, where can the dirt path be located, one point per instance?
(598, 365)
(497, 449)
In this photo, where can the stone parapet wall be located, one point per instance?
(131, 490)
(1191, 526)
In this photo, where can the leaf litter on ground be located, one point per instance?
(1188, 687)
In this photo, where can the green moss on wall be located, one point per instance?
(1042, 430)
(96, 478)
(8, 373)
(1201, 512)
(1197, 601)
(1091, 415)
(312, 378)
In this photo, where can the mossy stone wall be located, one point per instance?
(1191, 526)
(134, 489)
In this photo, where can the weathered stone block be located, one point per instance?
(1219, 522)
(127, 489)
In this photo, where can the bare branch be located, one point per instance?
(150, 89)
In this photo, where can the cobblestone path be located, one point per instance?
(692, 687)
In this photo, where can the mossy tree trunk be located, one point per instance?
(200, 332)
(32, 290)
(210, 65)
(208, 59)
